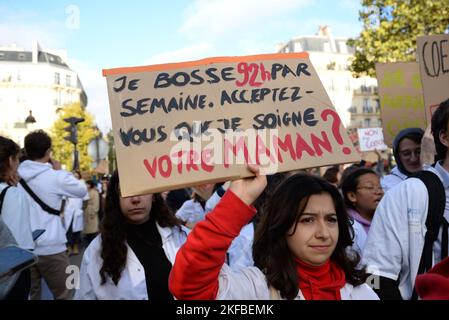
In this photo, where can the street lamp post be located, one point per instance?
(73, 138)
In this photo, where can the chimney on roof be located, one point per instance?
(325, 31)
(35, 51)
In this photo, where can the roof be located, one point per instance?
(316, 43)
(26, 56)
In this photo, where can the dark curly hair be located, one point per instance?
(270, 250)
(8, 148)
(440, 120)
(113, 230)
(36, 144)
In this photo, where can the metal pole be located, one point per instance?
(97, 149)
(76, 163)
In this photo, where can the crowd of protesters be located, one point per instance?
(357, 232)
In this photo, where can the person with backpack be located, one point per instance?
(15, 228)
(300, 246)
(406, 151)
(46, 184)
(409, 232)
(14, 206)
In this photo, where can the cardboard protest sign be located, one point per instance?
(371, 139)
(181, 124)
(433, 58)
(401, 98)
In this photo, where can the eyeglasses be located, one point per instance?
(408, 153)
(372, 189)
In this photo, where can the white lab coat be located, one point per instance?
(396, 239)
(191, 211)
(360, 237)
(16, 215)
(74, 213)
(389, 181)
(251, 284)
(132, 284)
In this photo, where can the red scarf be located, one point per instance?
(320, 283)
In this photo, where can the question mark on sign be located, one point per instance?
(336, 124)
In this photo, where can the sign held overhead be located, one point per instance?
(181, 124)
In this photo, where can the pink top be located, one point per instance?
(357, 217)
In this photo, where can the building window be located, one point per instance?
(298, 47)
(20, 97)
(367, 122)
(57, 78)
(367, 106)
(343, 47)
(331, 85)
(377, 105)
(348, 85)
(57, 100)
(68, 80)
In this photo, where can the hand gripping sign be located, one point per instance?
(183, 124)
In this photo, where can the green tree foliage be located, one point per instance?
(390, 29)
(63, 149)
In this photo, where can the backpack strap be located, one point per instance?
(42, 204)
(2, 196)
(435, 212)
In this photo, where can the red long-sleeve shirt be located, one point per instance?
(198, 263)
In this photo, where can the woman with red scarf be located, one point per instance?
(300, 247)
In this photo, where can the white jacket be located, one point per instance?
(251, 284)
(360, 237)
(73, 213)
(389, 181)
(50, 186)
(16, 215)
(396, 239)
(191, 211)
(132, 284)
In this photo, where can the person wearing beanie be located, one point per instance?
(434, 285)
(406, 151)
(398, 233)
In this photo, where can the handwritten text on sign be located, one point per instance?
(401, 98)
(371, 139)
(433, 56)
(177, 125)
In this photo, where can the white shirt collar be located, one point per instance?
(443, 174)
